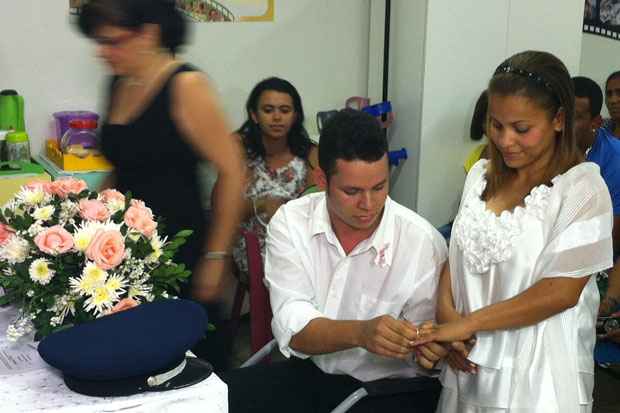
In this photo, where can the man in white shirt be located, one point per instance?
(351, 274)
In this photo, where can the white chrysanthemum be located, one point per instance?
(110, 225)
(64, 305)
(92, 278)
(133, 235)
(40, 271)
(83, 235)
(15, 250)
(157, 244)
(139, 290)
(101, 301)
(31, 196)
(116, 284)
(44, 213)
(115, 205)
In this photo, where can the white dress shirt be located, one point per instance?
(395, 272)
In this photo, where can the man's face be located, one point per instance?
(584, 123)
(356, 193)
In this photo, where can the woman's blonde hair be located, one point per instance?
(542, 78)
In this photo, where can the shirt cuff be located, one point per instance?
(290, 320)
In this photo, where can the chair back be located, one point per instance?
(260, 308)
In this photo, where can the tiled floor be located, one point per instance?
(606, 391)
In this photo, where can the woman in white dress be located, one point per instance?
(533, 225)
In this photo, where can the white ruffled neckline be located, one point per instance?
(486, 238)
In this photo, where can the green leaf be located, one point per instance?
(184, 233)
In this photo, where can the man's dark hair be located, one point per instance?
(588, 88)
(612, 76)
(350, 135)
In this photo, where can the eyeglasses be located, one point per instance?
(115, 41)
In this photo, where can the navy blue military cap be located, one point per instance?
(132, 351)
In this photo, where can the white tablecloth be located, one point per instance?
(40, 388)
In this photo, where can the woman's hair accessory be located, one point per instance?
(524, 73)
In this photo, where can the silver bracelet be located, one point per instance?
(216, 255)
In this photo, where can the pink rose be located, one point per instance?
(93, 210)
(54, 240)
(65, 186)
(106, 249)
(139, 204)
(44, 186)
(108, 195)
(6, 232)
(140, 218)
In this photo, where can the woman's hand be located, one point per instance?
(460, 330)
(209, 280)
(457, 358)
(455, 352)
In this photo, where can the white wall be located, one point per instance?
(600, 57)
(465, 42)
(408, 34)
(319, 45)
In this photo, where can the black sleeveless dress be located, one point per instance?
(156, 163)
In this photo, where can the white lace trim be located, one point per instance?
(487, 239)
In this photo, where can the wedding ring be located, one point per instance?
(417, 332)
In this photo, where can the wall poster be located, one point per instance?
(602, 17)
(227, 10)
(213, 10)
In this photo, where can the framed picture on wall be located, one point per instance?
(602, 17)
(75, 6)
(227, 11)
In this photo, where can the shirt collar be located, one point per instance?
(381, 240)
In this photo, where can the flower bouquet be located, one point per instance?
(69, 255)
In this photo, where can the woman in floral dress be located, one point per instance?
(280, 157)
(534, 224)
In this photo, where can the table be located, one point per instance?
(42, 389)
(11, 181)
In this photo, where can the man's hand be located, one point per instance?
(387, 337)
(428, 355)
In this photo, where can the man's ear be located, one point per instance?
(597, 122)
(320, 178)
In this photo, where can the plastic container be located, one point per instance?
(3, 155)
(17, 147)
(81, 132)
(63, 118)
